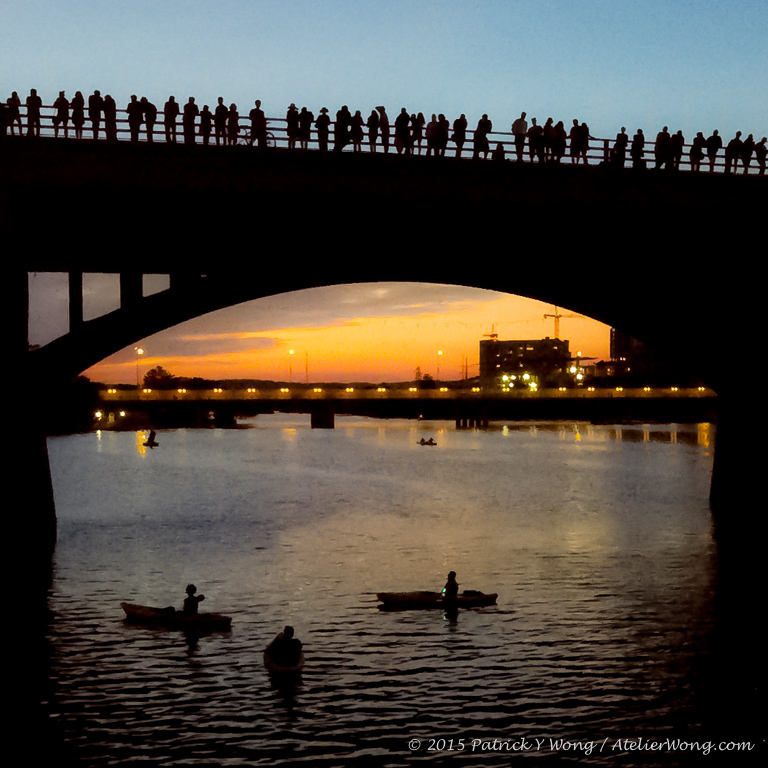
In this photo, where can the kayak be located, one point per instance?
(170, 618)
(273, 666)
(422, 600)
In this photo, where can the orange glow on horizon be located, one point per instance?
(371, 349)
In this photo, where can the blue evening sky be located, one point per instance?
(690, 64)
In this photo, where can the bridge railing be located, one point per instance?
(599, 150)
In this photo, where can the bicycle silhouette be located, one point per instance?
(246, 139)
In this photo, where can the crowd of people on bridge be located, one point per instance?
(408, 134)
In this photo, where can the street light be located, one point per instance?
(290, 366)
(139, 353)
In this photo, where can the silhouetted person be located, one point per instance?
(14, 112)
(443, 131)
(760, 152)
(480, 143)
(189, 120)
(356, 131)
(559, 140)
(149, 112)
(110, 118)
(620, 148)
(676, 145)
(584, 137)
(549, 138)
(637, 150)
(34, 105)
(292, 125)
(233, 125)
(77, 105)
(696, 154)
(306, 118)
(135, 112)
(220, 115)
(285, 649)
(95, 108)
(747, 148)
(536, 142)
(498, 153)
(206, 124)
(341, 129)
(191, 601)
(519, 132)
(373, 129)
(451, 588)
(417, 131)
(733, 152)
(383, 128)
(714, 145)
(170, 113)
(403, 133)
(430, 133)
(459, 136)
(575, 136)
(61, 116)
(323, 126)
(661, 149)
(258, 124)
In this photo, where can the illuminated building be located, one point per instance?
(525, 363)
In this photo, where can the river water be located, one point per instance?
(598, 540)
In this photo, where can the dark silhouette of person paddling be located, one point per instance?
(451, 588)
(191, 601)
(285, 649)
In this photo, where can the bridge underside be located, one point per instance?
(661, 256)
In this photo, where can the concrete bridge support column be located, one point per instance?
(737, 490)
(322, 416)
(30, 513)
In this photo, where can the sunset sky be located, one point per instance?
(369, 332)
(689, 64)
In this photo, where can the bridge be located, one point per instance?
(468, 406)
(665, 257)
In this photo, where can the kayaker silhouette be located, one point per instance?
(151, 442)
(451, 588)
(285, 649)
(192, 600)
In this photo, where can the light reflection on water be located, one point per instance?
(597, 539)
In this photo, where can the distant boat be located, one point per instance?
(170, 618)
(151, 442)
(401, 601)
(427, 442)
(273, 666)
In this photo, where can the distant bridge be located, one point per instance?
(467, 407)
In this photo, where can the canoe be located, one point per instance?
(422, 600)
(170, 618)
(273, 666)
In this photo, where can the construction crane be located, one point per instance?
(557, 317)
